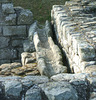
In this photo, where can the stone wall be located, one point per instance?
(75, 30)
(14, 25)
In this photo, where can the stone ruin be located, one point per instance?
(42, 73)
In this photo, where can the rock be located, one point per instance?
(82, 88)
(28, 46)
(33, 93)
(11, 19)
(25, 17)
(25, 56)
(2, 91)
(32, 30)
(4, 42)
(14, 30)
(91, 70)
(13, 89)
(8, 8)
(84, 49)
(69, 77)
(93, 96)
(5, 69)
(0, 31)
(8, 54)
(37, 79)
(59, 91)
(17, 43)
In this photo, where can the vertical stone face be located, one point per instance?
(7, 54)
(8, 8)
(14, 30)
(4, 42)
(25, 17)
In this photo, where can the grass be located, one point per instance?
(41, 8)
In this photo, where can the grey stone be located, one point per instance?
(18, 43)
(2, 91)
(82, 88)
(11, 19)
(86, 51)
(92, 81)
(8, 8)
(25, 55)
(26, 83)
(93, 96)
(25, 17)
(37, 79)
(69, 77)
(4, 61)
(59, 91)
(28, 46)
(14, 30)
(33, 93)
(13, 89)
(32, 30)
(4, 42)
(8, 54)
(0, 31)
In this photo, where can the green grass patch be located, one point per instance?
(41, 8)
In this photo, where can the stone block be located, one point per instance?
(0, 31)
(25, 17)
(59, 91)
(18, 43)
(11, 19)
(8, 8)
(14, 30)
(33, 93)
(28, 46)
(86, 51)
(7, 54)
(4, 61)
(4, 42)
(13, 89)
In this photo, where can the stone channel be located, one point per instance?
(32, 64)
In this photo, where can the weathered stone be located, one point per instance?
(32, 30)
(13, 89)
(8, 8)
(0, 31)
(69, 77)
(4, 42)
(82, 88)
(37, 79)
(91, 70)
(25, 55)
(14, 30)
(92, 81)
(59, 91)
(33, 93)
(93, 96)
(11, 19)
(86, 51)
(25, 17)
(8, 54)
(28, 46)
(4, 61)
(17, 43)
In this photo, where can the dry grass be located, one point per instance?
(41, 8)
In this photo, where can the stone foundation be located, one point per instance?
(14, 25)
(74, 25)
